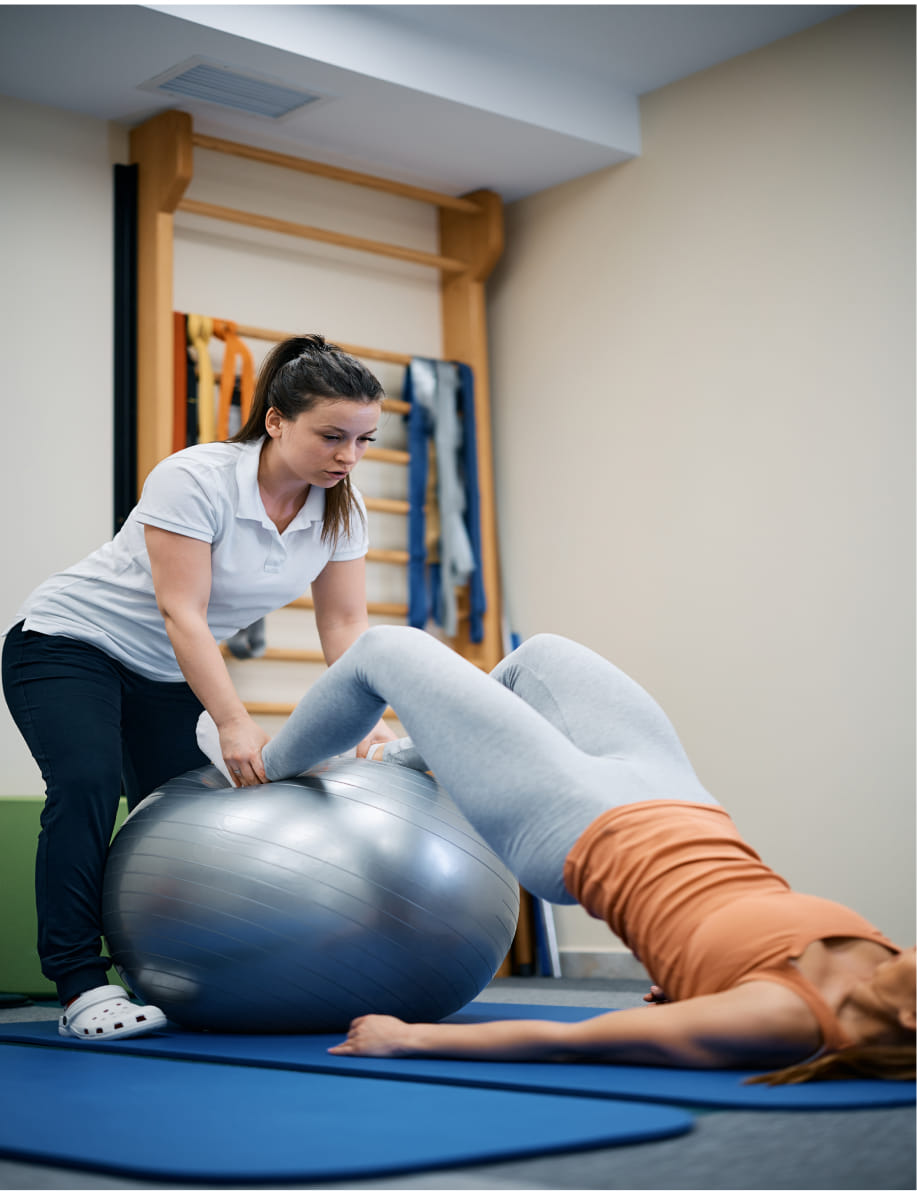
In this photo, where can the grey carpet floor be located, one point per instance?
(834, 1151)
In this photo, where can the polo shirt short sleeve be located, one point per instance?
(210, 493)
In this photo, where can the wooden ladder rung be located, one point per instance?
(448, 265)
(398, 557)
(374, 607)
(303, 656)
(337, 173)
(256, 707)
(387, 455)
(273, 654)
(392, 405)
(385, 504)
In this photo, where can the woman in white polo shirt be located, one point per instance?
(109, 663)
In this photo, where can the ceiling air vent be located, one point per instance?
(211, 83)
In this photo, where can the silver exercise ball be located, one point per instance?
(296, 906)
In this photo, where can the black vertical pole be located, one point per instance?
(125, 342)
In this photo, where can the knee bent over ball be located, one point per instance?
(299, 905)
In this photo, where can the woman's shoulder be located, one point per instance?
(198, 488)
(806, 992)
(212, 467)
(206, 456)
(787, 1006)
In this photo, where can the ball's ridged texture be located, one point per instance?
(296, 906)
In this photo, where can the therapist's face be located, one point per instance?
(323, 444)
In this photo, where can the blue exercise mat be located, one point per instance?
(661, 1085)
(221, 1123)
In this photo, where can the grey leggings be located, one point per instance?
(531, 759)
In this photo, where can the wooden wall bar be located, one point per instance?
(335, 173)
(285, 228)
(476, 239)
(471, 242)
(365, 353)
(162, 150)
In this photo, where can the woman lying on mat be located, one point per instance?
(576, 778)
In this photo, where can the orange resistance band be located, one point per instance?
(234, 349)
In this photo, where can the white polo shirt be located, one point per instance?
(208, 492)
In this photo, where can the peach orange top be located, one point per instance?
(678, 884)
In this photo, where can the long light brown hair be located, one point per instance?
(295, 376)
(852, 1062)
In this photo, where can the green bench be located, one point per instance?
(20, 972)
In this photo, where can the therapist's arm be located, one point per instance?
(182, 578)
(339, 599)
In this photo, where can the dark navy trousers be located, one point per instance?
(95, 728)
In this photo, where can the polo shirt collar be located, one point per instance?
(250, 506)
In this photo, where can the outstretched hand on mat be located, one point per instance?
(375, 1035)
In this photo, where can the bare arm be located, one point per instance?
(182, 577)
(751, 1025)
(339, 598)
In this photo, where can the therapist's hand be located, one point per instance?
(241, 742)
(381, 734)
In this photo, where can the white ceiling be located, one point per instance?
(513, 97)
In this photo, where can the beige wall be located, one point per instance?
(704, 418)
(56, 314)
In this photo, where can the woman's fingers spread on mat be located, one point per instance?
(374, 1035)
